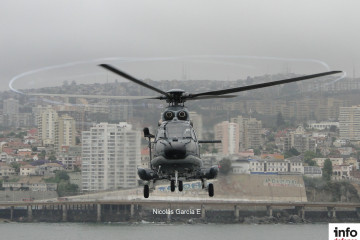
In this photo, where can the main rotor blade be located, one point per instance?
(128, 77)
(211, 97)
(92, 96)
(261, 85)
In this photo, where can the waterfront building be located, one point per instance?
(291, 166)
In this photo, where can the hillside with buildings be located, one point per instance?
(284, 131)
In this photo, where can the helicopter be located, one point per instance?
(176, 149)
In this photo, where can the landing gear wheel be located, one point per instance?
(172, 186)
(211, 189)
(181, 186)
(146, 191)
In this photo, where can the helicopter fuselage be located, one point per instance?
(176, 147)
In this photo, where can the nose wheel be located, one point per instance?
(211, 190)
(176, 183)
(181, 186)
(172, 185)
(146, 191)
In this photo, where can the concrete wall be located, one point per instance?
(261, 187)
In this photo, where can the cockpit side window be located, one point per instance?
(160, 133)
(193, 135)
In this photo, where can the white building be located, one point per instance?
(291, 165)
(349, 120)
(335, 161)
(313, 171)
(341, 171)
(7, 171)
(47, 121)
(322, 125)
(240, 166)
(110, 156)
(228, 133)
(28, 170)
(65, 132)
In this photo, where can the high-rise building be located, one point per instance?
(228, 133)
(349, 123)
(197, 124)
(11, 106)
(110, 156)
(11, 116)
(249, 132)
(47, 121)
(65, 132)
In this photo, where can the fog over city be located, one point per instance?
(163, 40)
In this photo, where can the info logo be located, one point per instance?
(344, 231)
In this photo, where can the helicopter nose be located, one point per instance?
(175, 151)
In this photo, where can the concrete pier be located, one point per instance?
(269, 211)
(236, 213)
(29, 213)
(98, 212)
(331, 212)
(301, 213)
(64, 213)
(12, 213)
(132, 211)
(203, 212)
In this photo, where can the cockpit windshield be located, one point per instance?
(176, 130)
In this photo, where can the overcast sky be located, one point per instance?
(253, 37)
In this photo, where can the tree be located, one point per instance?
(257, 151)
(61, 175)
(16, 166)
(67, 189)
(308, 158)
(225, 165)
(292, 152)
(333, 128)
(42, 154)
(327, 170)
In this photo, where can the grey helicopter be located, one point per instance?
(175, 149)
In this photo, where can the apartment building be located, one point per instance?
(110, 156)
